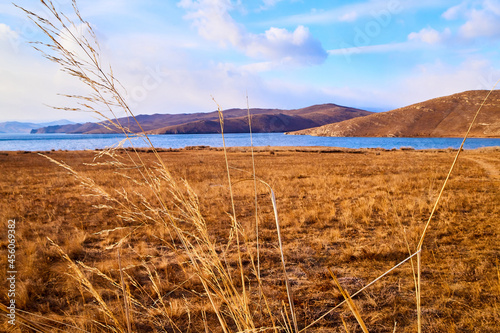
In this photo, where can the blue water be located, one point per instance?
(45, 142)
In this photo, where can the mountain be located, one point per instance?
(235, 121)
(24, 127)
(448, 116)
(267, 120)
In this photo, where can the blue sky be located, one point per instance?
(173, 56)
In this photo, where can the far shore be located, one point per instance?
(244, 149)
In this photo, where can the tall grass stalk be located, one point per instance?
(283, 263)
(254, 176)
(236, 226)
(125, 293)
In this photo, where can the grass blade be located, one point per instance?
(350, 302)
(125, 295)
(287, 282)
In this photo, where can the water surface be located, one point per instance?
(46, 142)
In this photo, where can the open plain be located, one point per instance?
(355, 212)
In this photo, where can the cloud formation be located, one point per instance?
(430, 36)
(352, 12)
(482, 18)
(27, 81)
(214, 23)
(8, 38)
(269, 4)
(372, 49)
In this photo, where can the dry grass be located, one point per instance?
(169, 241)
(315, 192)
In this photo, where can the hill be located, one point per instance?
(235, 121)
(27, 127)
(447, 116)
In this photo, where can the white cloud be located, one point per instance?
(281, 45)
(214, 23)
(454, 12)
(269, 4)
(481, 23)
(430, 35)
(9, 37)
(212, 19)
(27, 81)
(382, 48)
(6, 31)
(258, 67)
(482, 18)
(375, 9)
(493, 6)
(349, 16)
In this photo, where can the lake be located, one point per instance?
(46, 142)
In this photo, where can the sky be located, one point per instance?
(175, 56)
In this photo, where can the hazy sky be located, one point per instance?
(172, 56)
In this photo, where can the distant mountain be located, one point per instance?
(448, 116)
(235, 121)
(24, 127)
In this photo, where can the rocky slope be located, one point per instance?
(447, 116)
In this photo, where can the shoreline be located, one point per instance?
(244, 149)
(285, 133)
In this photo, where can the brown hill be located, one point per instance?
(265, 121)
(261, 123)
(447, 116)
(235, 121)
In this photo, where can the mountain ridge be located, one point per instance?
(263, 120)
(447, 116)
(27, 127)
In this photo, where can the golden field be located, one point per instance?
(355, 212)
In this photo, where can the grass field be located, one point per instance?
(188, 241)
(356, 212)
